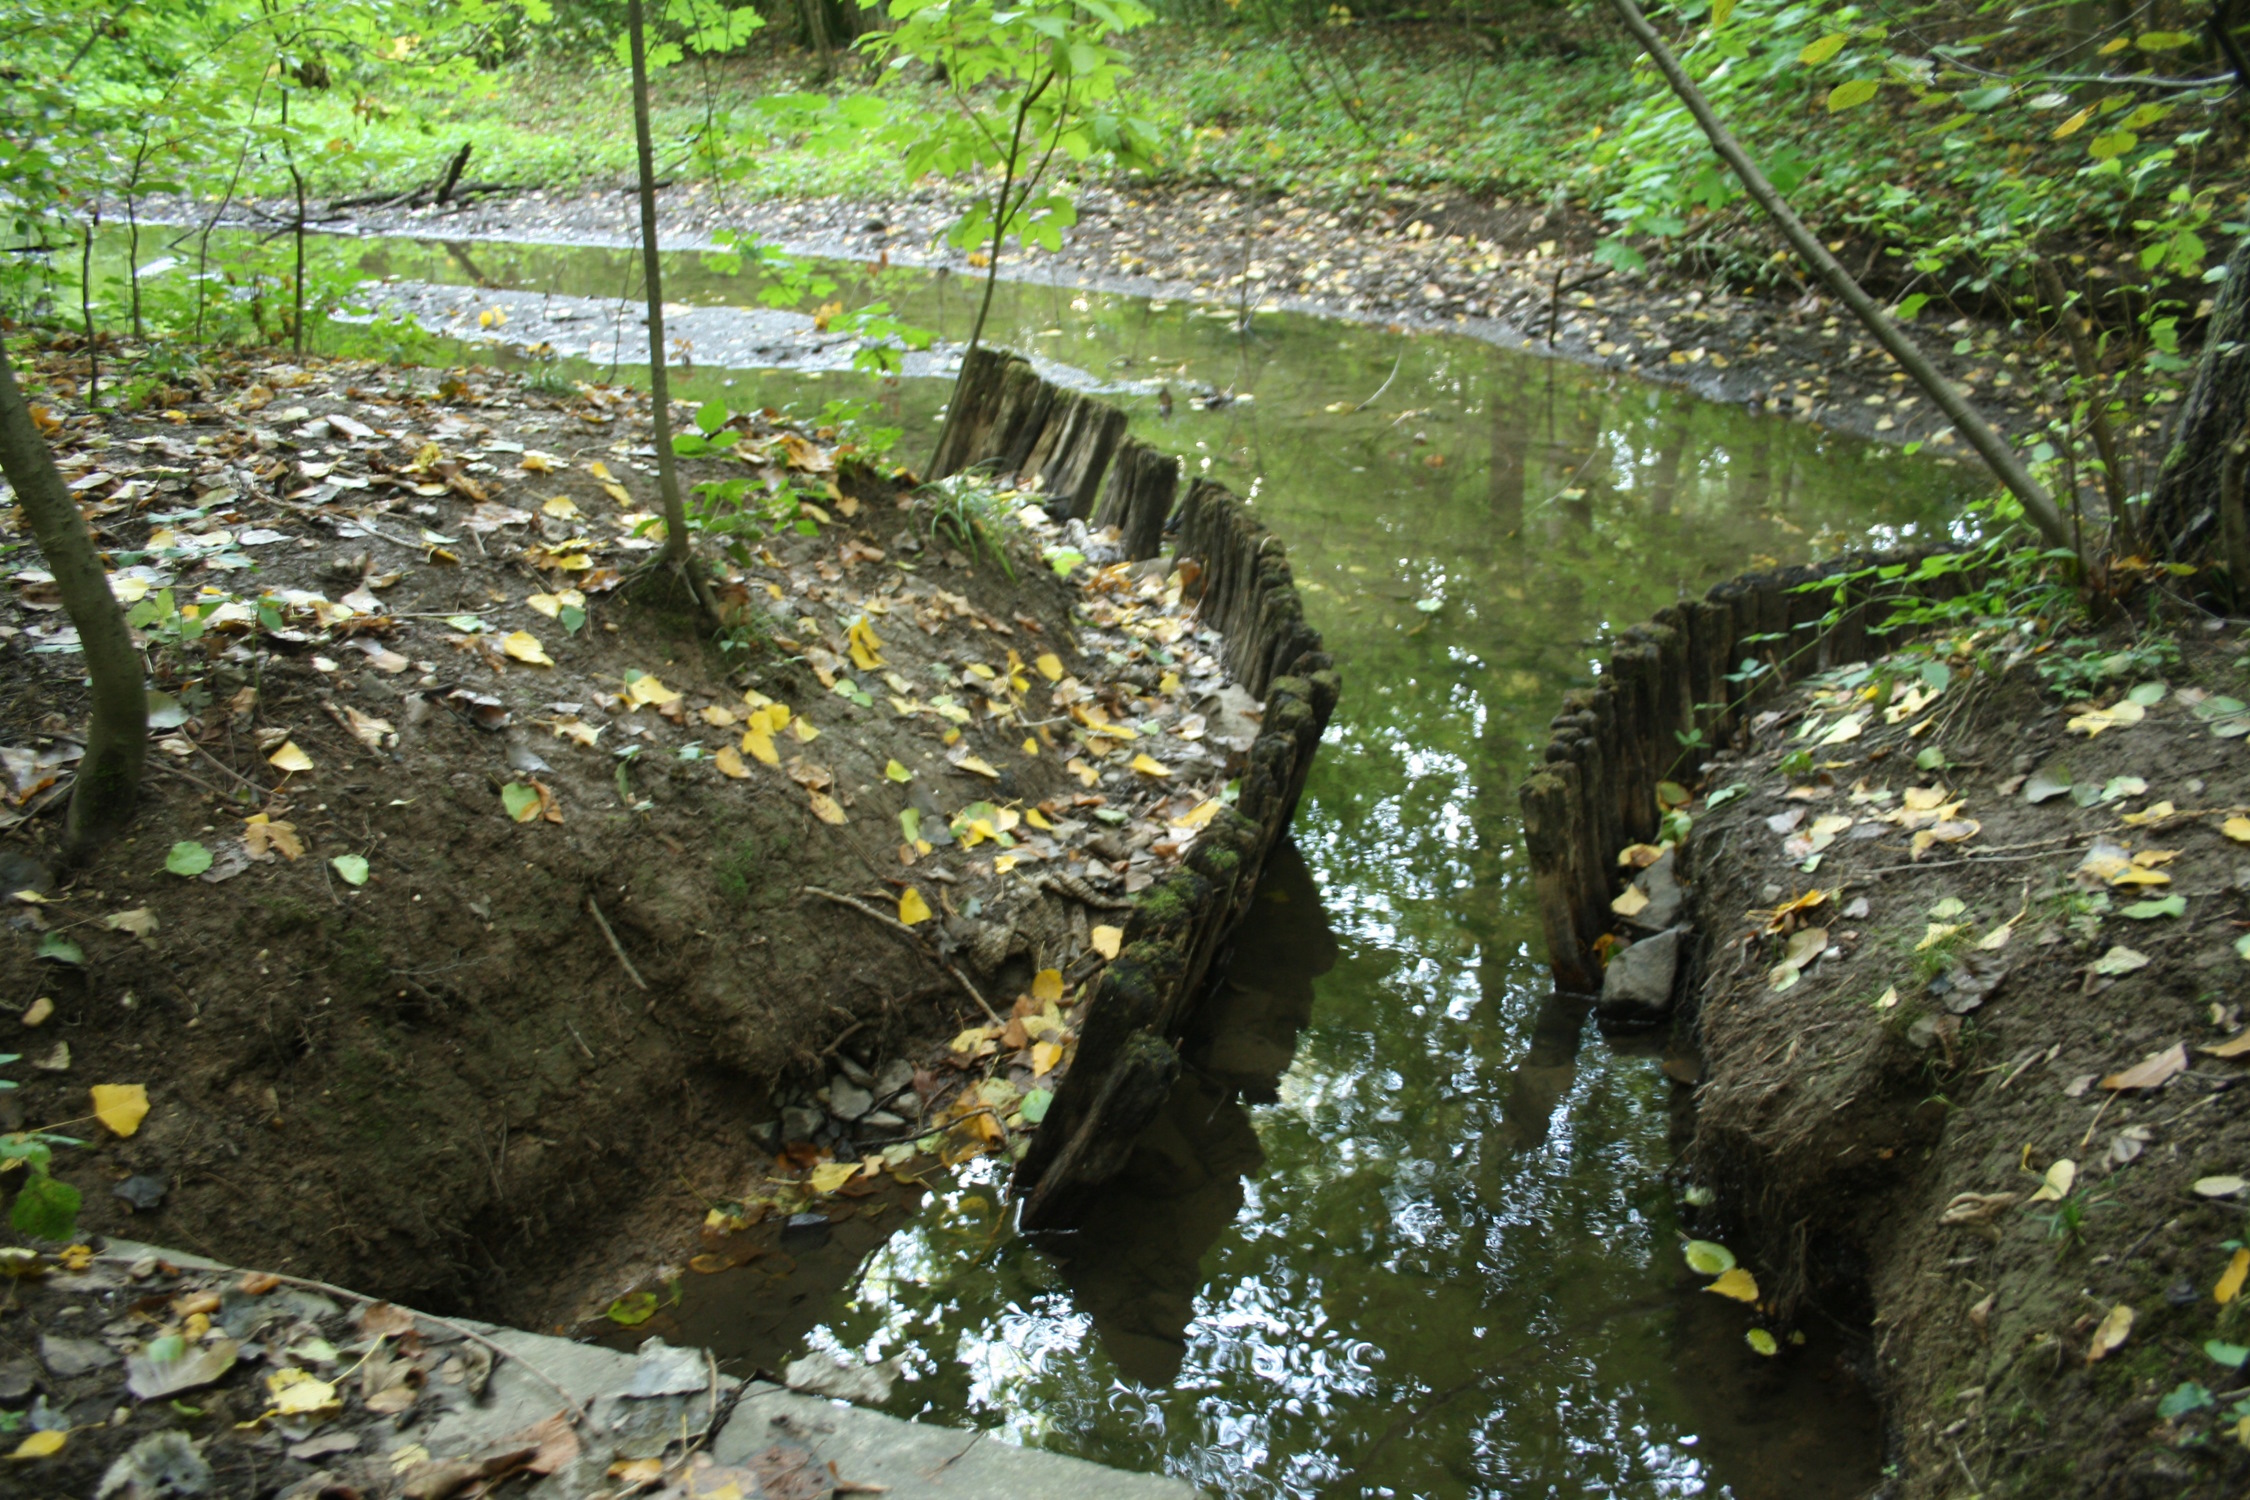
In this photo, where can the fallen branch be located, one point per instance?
(895, 925)
(594, 910)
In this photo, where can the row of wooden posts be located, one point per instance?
(1674, 690)
(1063, 445)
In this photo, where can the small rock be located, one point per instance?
(70, 1358)
(800, 1123)
(857, 1074)
(144, 1191)
(661, 1370)
(805, 1231)
(1665, 896)
(322, 1444)
(847, 1100)
(17, 1377)
(882, 1119)
(1858, 909)
(894, 1076)
(1637, 989)
(1770, 893)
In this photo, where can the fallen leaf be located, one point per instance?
(1706, 1258)
(2111, 1334)
(2056, 1184)
(2230, 1281)
(2152, 1071)
(2219, 1187)
(1632, 903)
(982, 766)
(729, 762)
(2235, 1048)
(644, 688)
(1762, 1342)
(300, 1393)
(831, 1175)
(290, 758)
(1736, 1283)
(121, 1106)
(1148, 765)
(525, 647)
(350, 868)
(41, 1444)
(1050, 666)
(1107, 940)
(896, 772)
(2118, 715)
(912, 907)
(826, 808)
(760, 745)
(2237, 828)
(140, 921)
(2120, 960)
(263, 835)
(1047, 986)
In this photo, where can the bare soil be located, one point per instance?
(1880, 1130)
(444, 1081)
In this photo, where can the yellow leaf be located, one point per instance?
(803, 729)
(718, 716)
(831, 1175)
(562, 507)
(617, 492)
(912, 908)
(896, 772)
(866, 646)
(2237, 829)
(1003, 863)
(298, 1393)
(1631, 903)
(1047, 986)
(290, 758)
(2137, 876)
(1738, 1284)
(826, 808)
(2116, 1326)
(1107, 940)
(41, 1444)
(1037, 819)
(1149, 765)
(729, 762)
(979, 765)
(524, 646)
(760, 744)
(121, 1106)
(1086, 774)
(1050, 666)
(1030, 745)
(647, 689)
(1706, 1258)
(2056, 1185)
(1044, 1056)
(546, 604)
(1762, 1341)
(2230, 1283)
(261, 833)
(1200, 815)
(2074, 124)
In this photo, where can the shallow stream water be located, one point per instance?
(1406, 1226)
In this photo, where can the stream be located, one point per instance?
(1406, 1226)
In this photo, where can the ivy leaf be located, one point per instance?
(61, 949)
(46, 1208)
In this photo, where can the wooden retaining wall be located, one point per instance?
(1701, 667)
(1065, 445)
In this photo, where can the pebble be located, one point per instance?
(847, 1100)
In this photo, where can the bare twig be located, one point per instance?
(895, 925)
(594, 910)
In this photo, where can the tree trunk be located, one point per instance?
(2181, 523)
(677, 553)
(109, 776)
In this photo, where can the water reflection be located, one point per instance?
(1430, 1250)
(1135, 1263)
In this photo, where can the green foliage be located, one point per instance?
(46, 1207)
(965, 511)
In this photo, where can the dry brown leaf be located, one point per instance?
(2152, 1071)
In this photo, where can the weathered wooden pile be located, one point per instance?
(1063, 445)
(1674, 690)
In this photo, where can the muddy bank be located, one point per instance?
(1951, 943)
(1487, 268)
(483, 918)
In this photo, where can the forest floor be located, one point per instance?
(1973, 1045)
(479, 941)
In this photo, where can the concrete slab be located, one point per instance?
(944, 1463)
